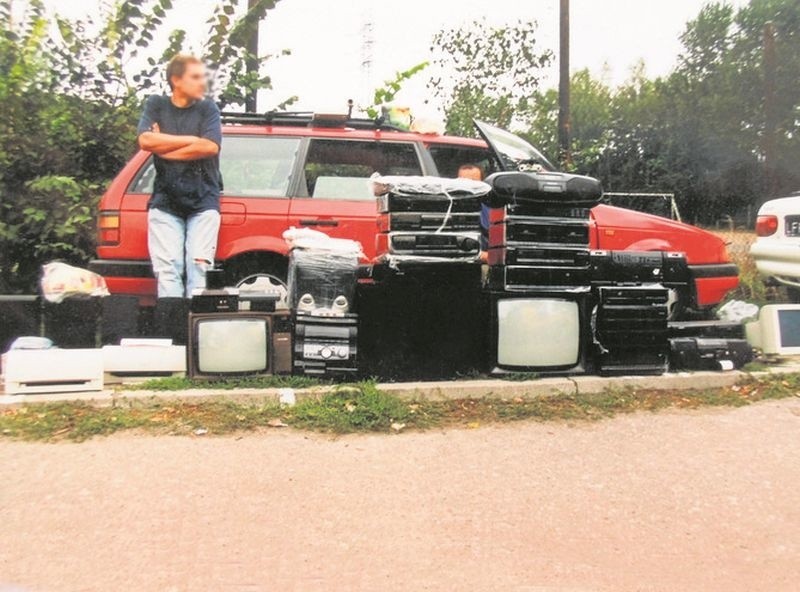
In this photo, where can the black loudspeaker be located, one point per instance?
(427, 323)
(545, 188)
(74, 322)
(119, 318)
(631, 330)
(171, 315)
(19, 316)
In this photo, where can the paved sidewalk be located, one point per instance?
(702, 500)
(453, 389)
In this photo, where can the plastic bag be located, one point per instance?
(307, 238)
(737, 311)
(435, 187)
(322, 272)
(60, 281)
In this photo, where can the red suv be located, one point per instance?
(284, 169)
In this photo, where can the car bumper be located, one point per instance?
(778, 260)
(127, 277)
(713, 281)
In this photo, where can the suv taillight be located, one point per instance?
(766, 225)
(108, 228)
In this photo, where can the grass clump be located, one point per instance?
(182, 383)
(351, 409)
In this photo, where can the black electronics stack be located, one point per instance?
(421, 313)
(440, 222)
(539, 247)
(322, 289)
(539, 242)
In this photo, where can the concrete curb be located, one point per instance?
(431, 391)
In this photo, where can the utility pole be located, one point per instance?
(252, 64)
(769, 142)
(565, 154)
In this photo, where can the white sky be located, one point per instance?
(326, 39)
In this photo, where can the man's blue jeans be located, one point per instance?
(181, 247)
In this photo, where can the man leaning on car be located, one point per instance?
(184, 133)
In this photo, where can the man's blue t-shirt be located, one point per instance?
(181, 187)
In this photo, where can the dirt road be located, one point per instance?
(703, 500)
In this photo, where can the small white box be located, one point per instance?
(35, 371)
(143, 360)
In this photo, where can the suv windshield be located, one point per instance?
(514, 152)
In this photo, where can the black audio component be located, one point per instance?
(217, 300)
(431, 244)
(326, 346)
(697, 353)
(429, 221)
(544, 187)
(392, 202)
(640, 267)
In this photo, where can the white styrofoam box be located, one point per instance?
(144, 359)
(33, 371)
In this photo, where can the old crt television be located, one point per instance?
(542, 331)
(777, 330)
(229, 344)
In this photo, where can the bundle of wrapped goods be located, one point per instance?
(428, 219)
(322, 289)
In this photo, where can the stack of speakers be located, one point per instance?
(430, 220)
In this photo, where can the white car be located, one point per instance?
(776, 251)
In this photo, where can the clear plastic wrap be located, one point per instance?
(60, 281)
(322, 273)
(435, 187)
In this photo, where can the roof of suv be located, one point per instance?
(307, 124)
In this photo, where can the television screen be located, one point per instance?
(538, 332)
(232, 346)
(789, 323)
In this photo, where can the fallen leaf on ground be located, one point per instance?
(200, 432)
(473, 425)
(277, 423)
(398, 426)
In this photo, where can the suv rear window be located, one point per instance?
(340, 169)
(259, 166)
(449, 159)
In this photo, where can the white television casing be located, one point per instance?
(35, 371)
(777, 330)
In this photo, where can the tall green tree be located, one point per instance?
(486, 72)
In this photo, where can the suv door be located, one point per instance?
(334, 194)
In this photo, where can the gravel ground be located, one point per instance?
(704, 500)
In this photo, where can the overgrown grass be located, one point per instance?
(363, 408)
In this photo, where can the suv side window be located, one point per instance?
(449, 158)
(252, 166)
(340, 169)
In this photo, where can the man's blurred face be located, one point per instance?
(470, 172)
(193, 83)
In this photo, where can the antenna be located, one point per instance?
(367, 51)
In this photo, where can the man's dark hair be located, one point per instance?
(177, 66)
